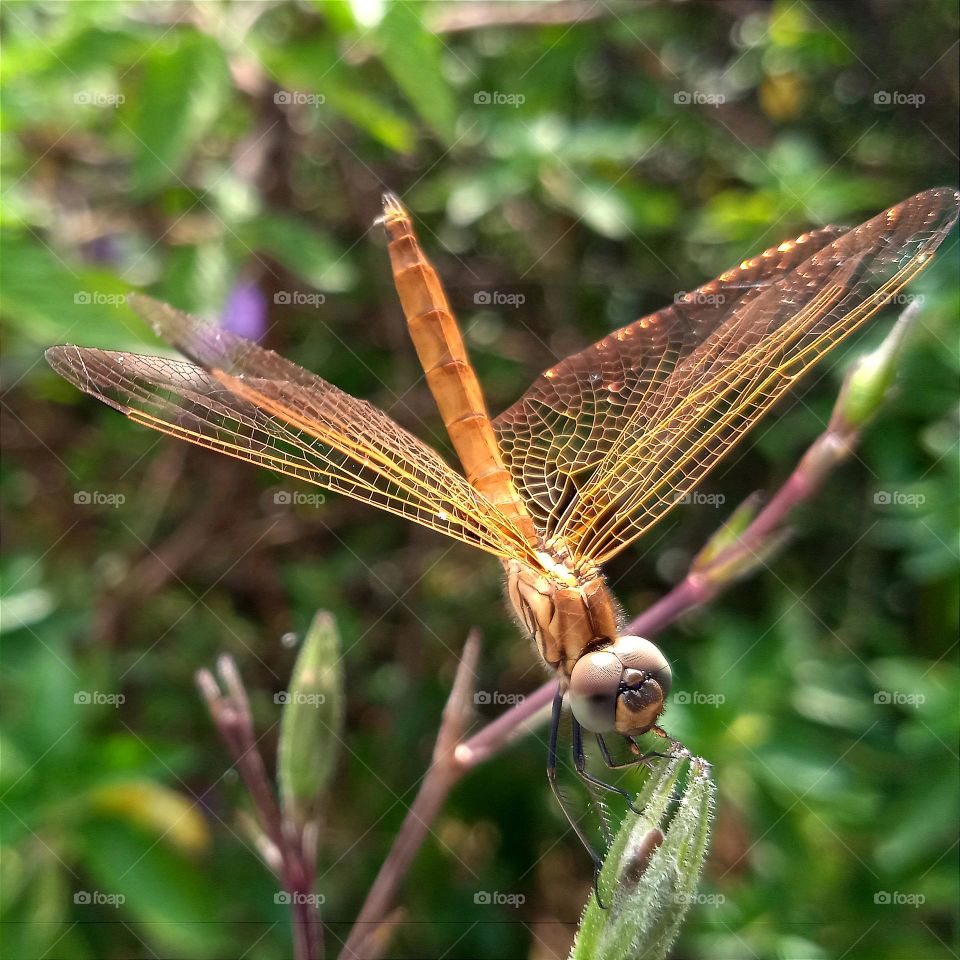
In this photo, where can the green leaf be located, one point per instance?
(647, 883)
(183, 91)
(294, 67)
(197, 278)
(312, 721)
(411, 54)
(301, 248)
(162, 891)
(48, 300)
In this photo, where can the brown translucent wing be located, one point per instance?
(606, 442)
(311, 431)
(576, 414)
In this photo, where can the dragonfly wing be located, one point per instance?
(311, 431)
(576, 414)
(605, 443)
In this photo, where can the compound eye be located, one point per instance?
(644, 686)
(636, 653)
(594, 684)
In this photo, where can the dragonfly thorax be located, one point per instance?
(615, 682)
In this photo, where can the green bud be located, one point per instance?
(870, 377)
(312, 722)
(729, 533)
(650, 876)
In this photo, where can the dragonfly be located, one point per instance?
(600, 448)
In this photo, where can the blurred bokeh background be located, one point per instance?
(571, 165)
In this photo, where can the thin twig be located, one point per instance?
(284, 850)
(443, 773)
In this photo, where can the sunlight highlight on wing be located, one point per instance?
(330, 439)
(609, 440)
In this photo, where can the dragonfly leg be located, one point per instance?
(580, 762)
(635, 760)
(562, 801)
(675, 745)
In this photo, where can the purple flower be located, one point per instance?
(245, 311)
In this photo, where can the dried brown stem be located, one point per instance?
(284, 849)
(445, 770)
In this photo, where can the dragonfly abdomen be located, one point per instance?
(452, 380)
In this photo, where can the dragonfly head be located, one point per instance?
(621, 687)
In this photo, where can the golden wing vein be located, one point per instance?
(185, 401)
(606, 442)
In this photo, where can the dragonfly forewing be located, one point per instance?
(308, 430)
(608, 441)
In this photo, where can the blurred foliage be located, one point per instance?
(567, 176)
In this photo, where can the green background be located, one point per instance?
(557, 165)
